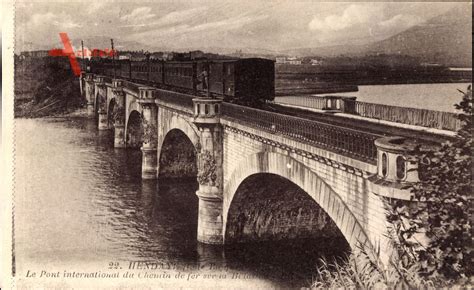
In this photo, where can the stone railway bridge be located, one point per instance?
(344, 174)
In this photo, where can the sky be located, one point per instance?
(181, 25)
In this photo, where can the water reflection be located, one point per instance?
(82, 201)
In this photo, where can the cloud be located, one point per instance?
(138, 16)
(42, 29)
(187, 32)
(260, 24)
(354, 14)
(401, 21)
(41, 19)
(180, 16)
(172, 18)
(48, 22)
(95, 6)
(227, 24)
(46, 19)
(66, 23)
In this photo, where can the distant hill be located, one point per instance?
(444, 39)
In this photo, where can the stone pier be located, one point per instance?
(150, 132)
(119, 115)
(210, 175)
(101, 92)
(90, 93)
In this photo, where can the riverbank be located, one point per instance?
(49, 108)
(44, 88)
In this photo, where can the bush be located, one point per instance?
(442, 207)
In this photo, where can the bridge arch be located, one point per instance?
(111, 106)
(307, 180)
(96, 102)
(168, 121)
(134, 130)
(177, 155)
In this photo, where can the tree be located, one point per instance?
(442, 208)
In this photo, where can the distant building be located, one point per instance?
(197, 54)
(430, 64)
(293, 60)
(316, 62)
(289, 60)
(168, 55)
(280, 60)
(124, 56)
(34, 54)
(156, 55)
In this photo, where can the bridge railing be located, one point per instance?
(302, 101)
(130, 85)
(183, 100)
(411, 116)
(404, 115)
(356, 144)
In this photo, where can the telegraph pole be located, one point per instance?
(113, 55)
(82, 47)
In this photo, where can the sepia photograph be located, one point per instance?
(237, 145)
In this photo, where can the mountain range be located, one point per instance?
(445, 39)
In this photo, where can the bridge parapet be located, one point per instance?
(349, 105)
(207, 111)
(345, 141)
(146, 93)
(395, 162)
(397, 166)
(117, 83)
(130, 87)
(181, 101)
(341, 104)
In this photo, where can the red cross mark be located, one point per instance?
(67, 51)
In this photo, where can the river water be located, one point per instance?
(81, 206)
(438, 97)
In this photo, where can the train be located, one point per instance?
(248, 81)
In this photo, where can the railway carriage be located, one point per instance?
(123, 68)
(245, 81)
(139, 70)
(180, 74)
(156, 71)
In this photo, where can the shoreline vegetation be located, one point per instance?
(45, 87)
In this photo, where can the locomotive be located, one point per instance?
(248, 81)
